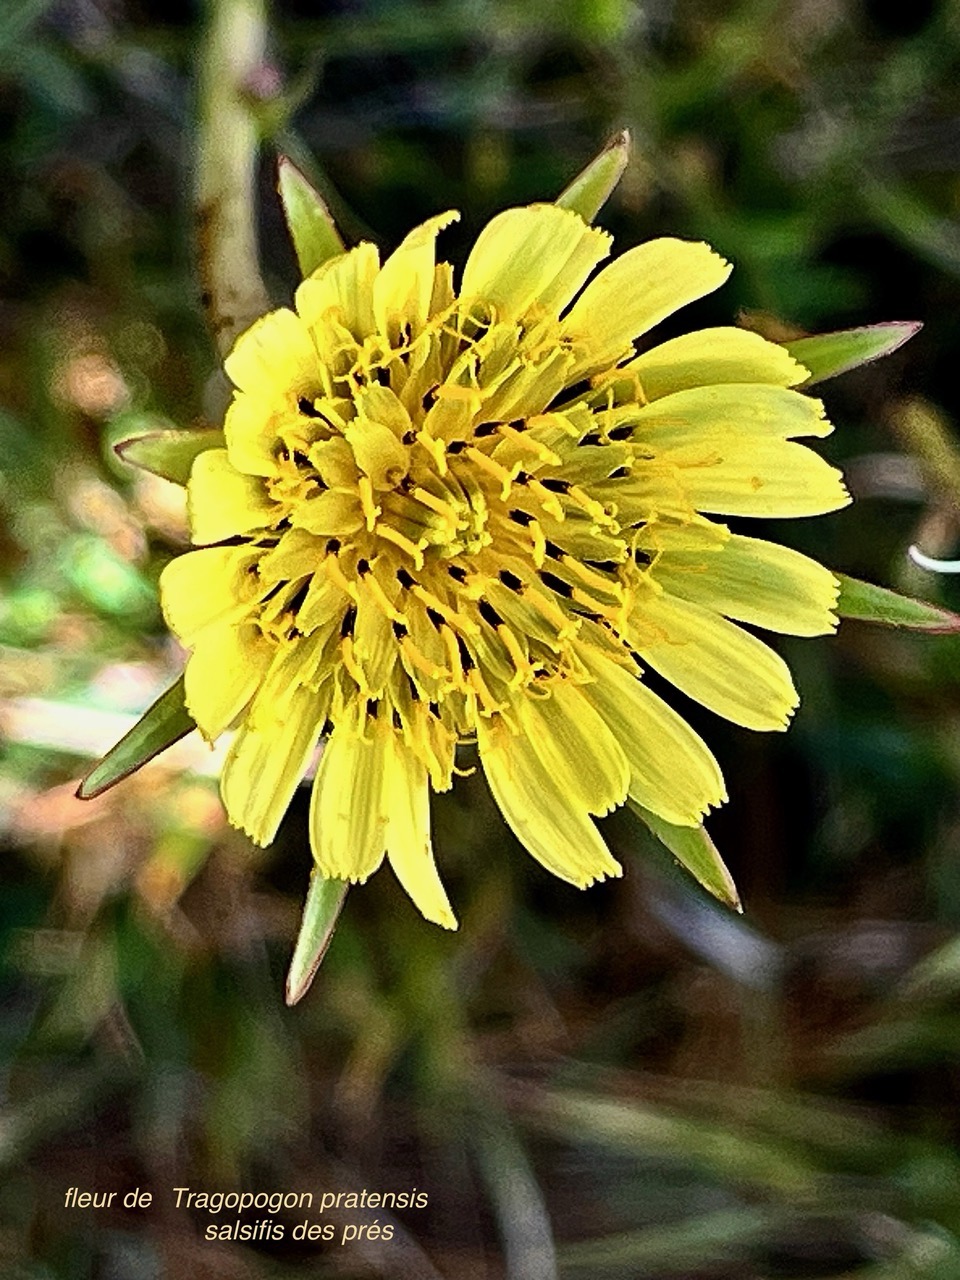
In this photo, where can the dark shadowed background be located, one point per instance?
(628, 1082)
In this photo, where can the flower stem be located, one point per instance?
(227, 144)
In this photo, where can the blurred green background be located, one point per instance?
(630, 1082)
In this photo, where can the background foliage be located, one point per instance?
(630, 1082)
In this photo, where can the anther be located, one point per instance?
(307, 408)
(521, 517)
(363, 567)
(511, 580)
(333, 546)
(435, 617)
(456, 571)
(373, 708)
(553, 551)
(408, 437)
(456, 446)
(623, 432)
(405, 579)
(593, 437)
(485, 429)
(349, 620)
(556, 485)
(400, 630)
(620, 474)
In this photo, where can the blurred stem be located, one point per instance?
(227, 145)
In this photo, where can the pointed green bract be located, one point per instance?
(695, 851)
(829, 354)
(868, 603)
(163, 724)
(590, 190)
(170, 454)
(320, 913)
(312, 229)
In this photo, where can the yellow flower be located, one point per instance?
(444, 515)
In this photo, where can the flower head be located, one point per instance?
(446, 514)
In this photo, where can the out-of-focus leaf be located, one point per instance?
(590, 190)
(320, 913)
(694, 849)
(869, 603)
(934, 978)
(640, 1131)
(169, 454)
(828, 354)
(675, 1248)
(312, 229)
(160, 726)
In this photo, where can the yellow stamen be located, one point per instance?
(370, 508)
(351, 664)
(517, 656)
(398, 540)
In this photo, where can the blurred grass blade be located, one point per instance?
(169, 454)
(828, 354)
(315, 237)
(641, 1131)
(695, 851)
(160, 726)
(320, 912)
(869, 603)
(676, 1248)
(590, 190)
(515, 1195)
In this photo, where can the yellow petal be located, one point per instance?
(408, 834)
(714, 662)
(636, 292)
(264, 766)
(275, 352)
(541, 815)
(576, 748)
(534, 258)
(224, 502)
(710, 356)
(380, 404)
(250, 428)
(753, 581)
(341, 292)
(334, 462)
(404, 287)
(378, 452)
(296, 555)
(201, 588)
(735, 409)
(733, 476)
(334, 513)
(222, 675)
(672, 772)
(348, 819)
(375, 646)
(528, 389)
